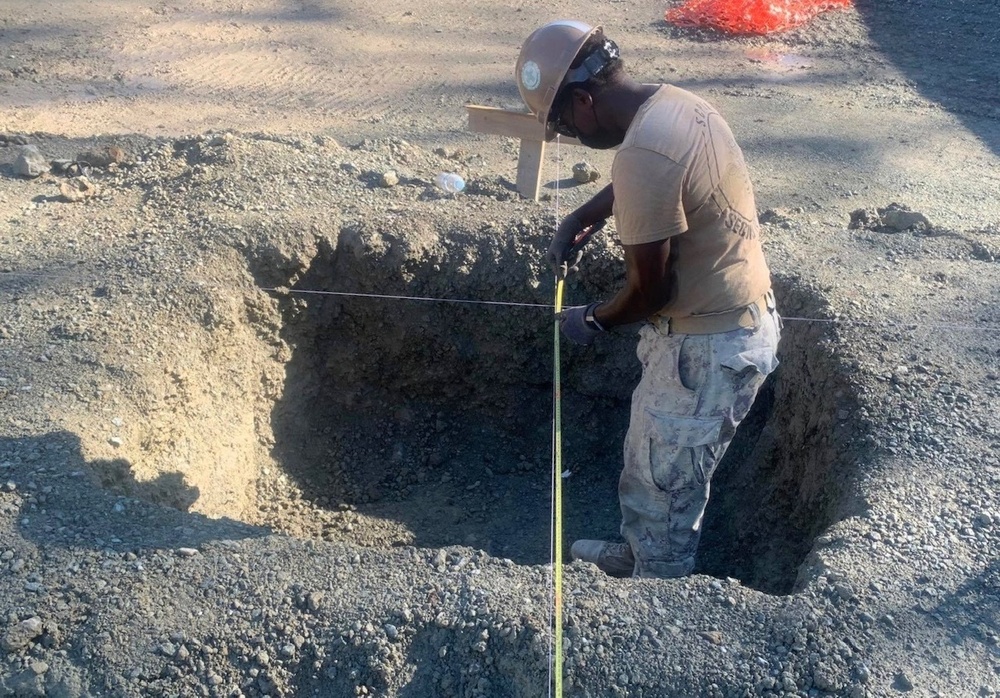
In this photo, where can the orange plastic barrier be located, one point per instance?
(750, 16)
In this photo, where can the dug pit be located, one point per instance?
(408, 421)
(416, 410)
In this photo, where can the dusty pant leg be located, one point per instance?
(693, 394)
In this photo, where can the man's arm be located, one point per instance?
(598, 208)
(647, 285)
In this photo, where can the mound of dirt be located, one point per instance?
(276, 410)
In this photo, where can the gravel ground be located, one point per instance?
(214, 481)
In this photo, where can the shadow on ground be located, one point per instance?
(66, 500)
(950, 50)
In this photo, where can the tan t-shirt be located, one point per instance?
(680, 174)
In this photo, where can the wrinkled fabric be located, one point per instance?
(694, 392)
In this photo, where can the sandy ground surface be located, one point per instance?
(216, 482)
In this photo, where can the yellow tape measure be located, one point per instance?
(557, 501)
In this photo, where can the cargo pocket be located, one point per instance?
(682, 450)
(748, 370)
(762, 359)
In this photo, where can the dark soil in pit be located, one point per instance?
(414, 422)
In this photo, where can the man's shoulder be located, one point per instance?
(668, 122)
(645, 157)
(671, 98)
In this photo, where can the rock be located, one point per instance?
(314, 600)
(78, 189)
(39, 668)
(102, 157)
(899, 219)
(221, 139)
(13, 139)
(63, 166)
(863, 673)
(713, 636)
(30, 162)
(825, 680)
(22, 634)
(584, 172)
(862, 218)
(326, 142)
(902, 682)
(894, 218)
(389, 179)
(844, 591)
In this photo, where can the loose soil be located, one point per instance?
(276, 411)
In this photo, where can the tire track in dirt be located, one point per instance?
(290, 76)
(277, 64)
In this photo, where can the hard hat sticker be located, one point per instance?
(531, 76)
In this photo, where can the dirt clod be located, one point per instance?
(584, 172)
(78, 189)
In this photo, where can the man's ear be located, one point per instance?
(582, 97)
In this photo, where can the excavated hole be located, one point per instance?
(429, 424)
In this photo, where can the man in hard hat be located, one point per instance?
(684, 211)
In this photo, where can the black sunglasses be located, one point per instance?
(556, 116)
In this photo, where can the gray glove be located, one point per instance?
(574, 324)
(566, 249)
(558, 255)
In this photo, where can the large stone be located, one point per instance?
(897, 218)
(30, 162)
(102, 157)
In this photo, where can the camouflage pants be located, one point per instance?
(694, 392)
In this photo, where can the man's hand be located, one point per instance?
(562, 242)
(566, 249)
(574, 324)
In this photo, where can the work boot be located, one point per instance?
(614, 559)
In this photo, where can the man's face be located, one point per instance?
(578, 119)
(564, 123)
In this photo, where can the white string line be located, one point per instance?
(893, 324)
(411, 298)
(469, 301)
(834, 321)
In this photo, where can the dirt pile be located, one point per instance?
(218, 479)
